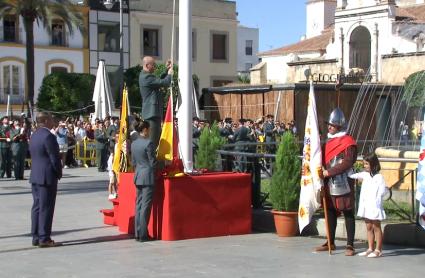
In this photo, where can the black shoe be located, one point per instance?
(145, 239)
(49, 243)
(35, 243)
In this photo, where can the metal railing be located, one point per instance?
(260, 165)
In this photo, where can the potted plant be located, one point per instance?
(209, 142)
(285, 186)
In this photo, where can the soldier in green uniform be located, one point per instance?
(19, 149)
(111, 130)
(6, 159)
(101, 147)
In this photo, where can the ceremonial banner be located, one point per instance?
(420, 184)
(167, 147)
(311, 181)
(121, 159)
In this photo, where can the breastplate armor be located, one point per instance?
(338, 185)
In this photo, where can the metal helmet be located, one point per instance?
(337, 118)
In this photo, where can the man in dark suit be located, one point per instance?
(5, 153)
(144, 162)
(46, 170)
(152, 99)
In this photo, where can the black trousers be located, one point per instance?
(143, 210)
(5, 162)
(350, 224)
(44, 199)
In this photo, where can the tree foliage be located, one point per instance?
(44, 12)
(414, 90)
(67, 91)
(285, 184)
(209, 142)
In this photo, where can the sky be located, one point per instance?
(281, 22)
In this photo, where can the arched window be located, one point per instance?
(360, 53)
(12, 81)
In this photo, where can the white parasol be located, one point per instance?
(102, 95)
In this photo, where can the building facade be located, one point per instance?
(104, 38)
(214, 36)
(379, 38)
(56, 52)
(248, 40)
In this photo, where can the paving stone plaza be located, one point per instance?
(92, 249)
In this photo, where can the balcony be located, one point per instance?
(17, 95)
(10, 34)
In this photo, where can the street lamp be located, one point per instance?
(109, 4)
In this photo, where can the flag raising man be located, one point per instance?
(311, 181)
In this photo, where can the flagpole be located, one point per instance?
(325, 208)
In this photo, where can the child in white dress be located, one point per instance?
(371, 204)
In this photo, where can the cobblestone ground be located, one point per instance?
(92, 249)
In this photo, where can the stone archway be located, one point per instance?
(360, 50)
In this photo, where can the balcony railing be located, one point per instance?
(11, 34)
(17, 95)
(59, 39)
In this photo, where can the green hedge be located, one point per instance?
(67, 91)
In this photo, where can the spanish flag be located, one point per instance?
(121, 159)
(167, 147)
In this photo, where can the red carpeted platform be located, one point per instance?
(212, 204)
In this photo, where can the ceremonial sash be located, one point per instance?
(337, 145)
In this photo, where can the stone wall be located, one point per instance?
(296, 69)
(397, 67)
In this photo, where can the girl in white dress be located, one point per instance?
(371, 204)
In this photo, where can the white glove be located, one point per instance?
(8, 140)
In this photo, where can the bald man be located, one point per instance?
(152, 99)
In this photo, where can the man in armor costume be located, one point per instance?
(339, 155)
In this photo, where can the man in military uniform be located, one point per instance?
(6, 157)
(269, 135)
(19, 149)
(340, 153)
(101, 147)
(152, 99)
(111, 131)
(241, 138)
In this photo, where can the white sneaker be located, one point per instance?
(65, 167)
(111, 196)
(365, 253)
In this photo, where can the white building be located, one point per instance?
(214, 34)
(105, 39)
(248, 40)
(384, 38)
(58, 51)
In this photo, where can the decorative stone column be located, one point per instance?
(376, 62)
(341, 38)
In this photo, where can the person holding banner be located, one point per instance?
(340, 154)
(152, 99)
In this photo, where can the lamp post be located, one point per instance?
(109, 4)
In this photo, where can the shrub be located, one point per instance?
(67, 91)
(209, 142)
(285, 185)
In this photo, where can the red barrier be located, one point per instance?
(213, 204)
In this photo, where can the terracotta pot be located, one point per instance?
(286, 223)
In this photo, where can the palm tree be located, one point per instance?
(44, 12)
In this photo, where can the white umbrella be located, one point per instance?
(102, 95)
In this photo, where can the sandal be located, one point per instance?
(365, 253)
(375, 254)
